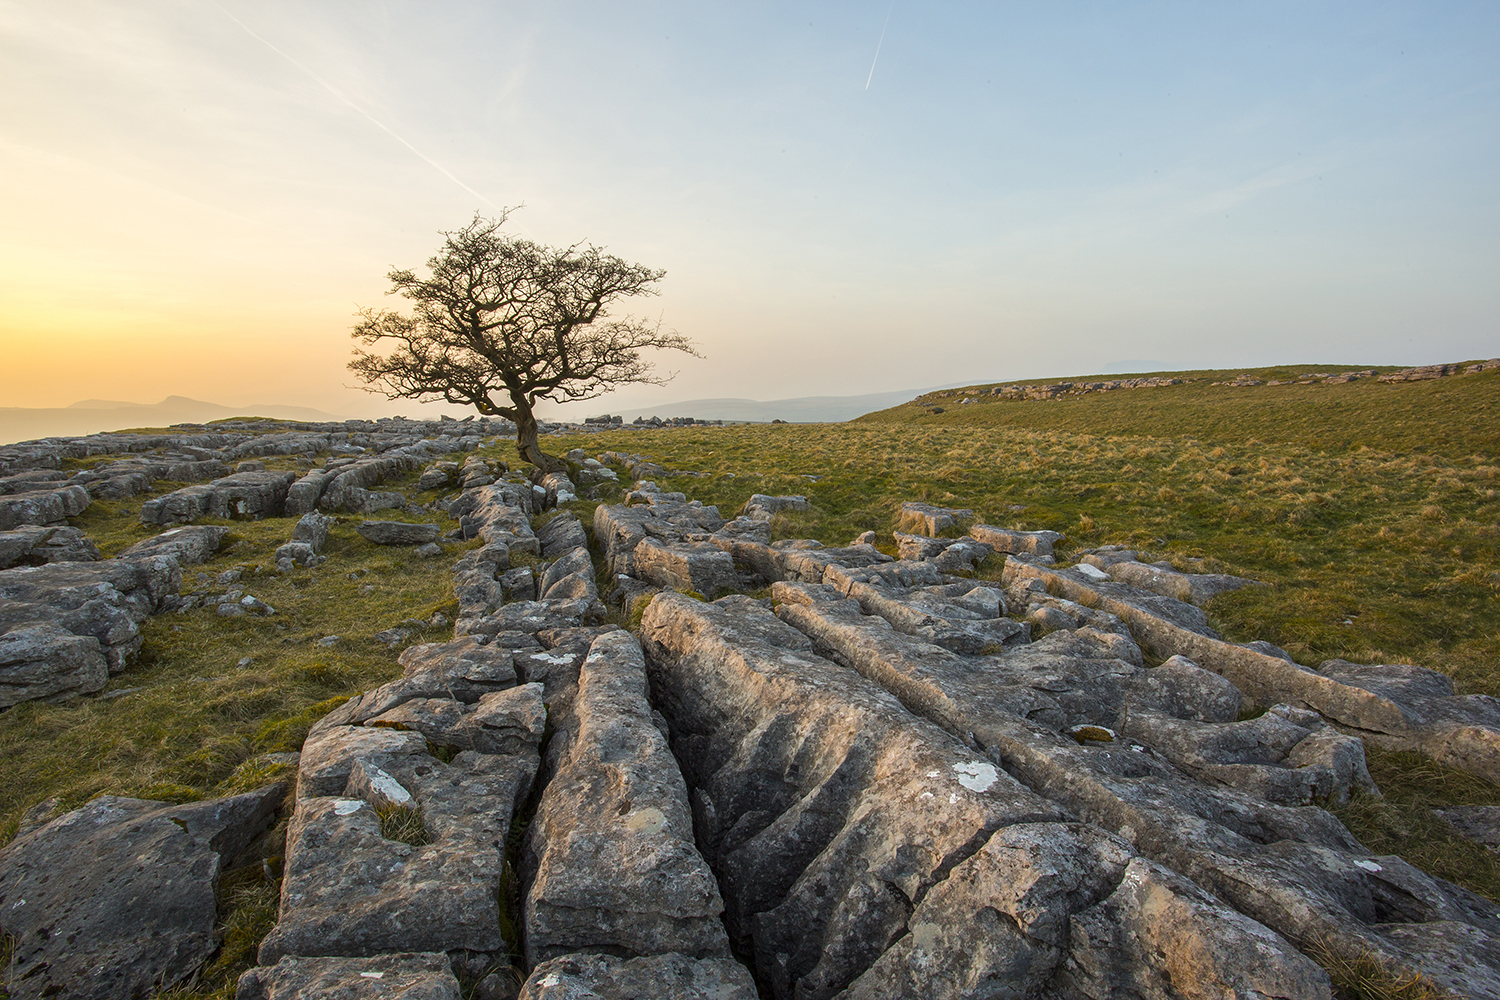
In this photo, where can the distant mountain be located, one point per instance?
(18, 423)
(801, 409)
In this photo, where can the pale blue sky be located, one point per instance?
(1021, 190)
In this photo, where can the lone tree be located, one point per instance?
(503, 322)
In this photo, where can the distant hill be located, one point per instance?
(18, 423)
(800, 409)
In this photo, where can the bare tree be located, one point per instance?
(502, 322)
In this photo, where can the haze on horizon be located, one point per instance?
(196, 196)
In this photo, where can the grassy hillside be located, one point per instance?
(1453, 417)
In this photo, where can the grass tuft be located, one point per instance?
(403, 824)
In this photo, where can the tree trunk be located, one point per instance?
(526, 441)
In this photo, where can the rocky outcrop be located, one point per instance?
(397, 532)
(845, 829)
(659, 977)
(1402, 706)
(116, 898)
(49, 505)
(242, 496)
(419, 976)
(65, 627)
(610, 857)
(188, 545)
(37, 546)
(928, 519)
(349, 888)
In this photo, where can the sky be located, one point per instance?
(847, 198)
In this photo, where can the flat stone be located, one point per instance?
(116, 898)
(190, 546)
(398, 532)
(37, 546)
(43, 506)
(408, 975)
(658, 977)
(611, 852)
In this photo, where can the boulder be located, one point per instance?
(927, 519)
(53, 505)
(116, 898)
(188, 545)
(658, 977)
(762, 508)
(313, 529)
(561, 534)
(303, 495)
(408, 975)
(398, 532)
(37, 546)
(696, 566)
(1034, 543)
(40, 660)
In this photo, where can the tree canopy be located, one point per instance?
(502, 322)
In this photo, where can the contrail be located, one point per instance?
(371, 118)
(878, 44)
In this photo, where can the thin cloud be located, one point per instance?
(369, 117)
(878, 44)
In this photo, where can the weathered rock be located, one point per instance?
(43, 506)
(116, 898)
(437, 477)
(1295, 870)
(500, 722)
(560, 535)
(37, 546)
(1405, 707)
(762, 508)
(572, 575)
(500, 512)
(242, 496)
(303, 495)
(398, 532)
(347, 486)
(533, 616)
(1194, 588)
(410, 976)
(926, 519)
(1480, 824)
(41, 660)
(313, 529)
(463, 670)
(610, 853)
(1065, 910)
(658, 977)
(1036, 543)
(697, 566)
(824, 807)
(105, 600)
(350, 891)
(188, 545)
